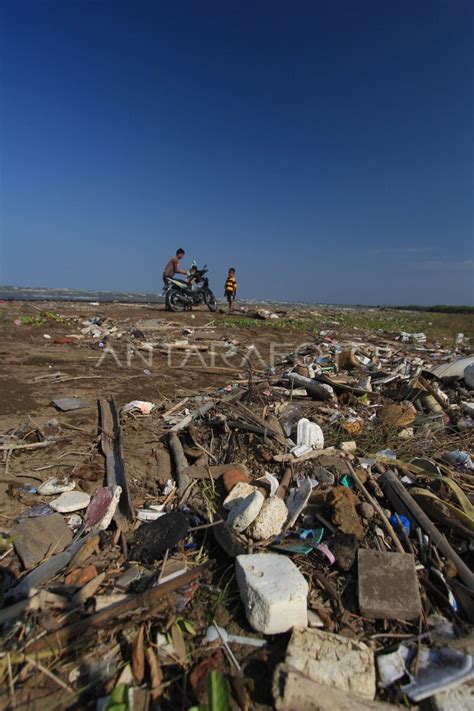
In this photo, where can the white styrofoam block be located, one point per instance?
(246, 511)
(71, 501)
(309, 434)
(270, 520)
(238, 492)
(273, 591)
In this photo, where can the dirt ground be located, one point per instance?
(31, 364)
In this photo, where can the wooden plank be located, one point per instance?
(111, 442)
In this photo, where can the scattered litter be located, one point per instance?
(412, 337)
(333, 660)
(65, 404)
(439, 670)
(392, 666)
(273, 591)
(150, 514)
(71, 501)
(35, 511)
(215, 633)
(102, 507)
(454, 369)
(35, 538)
(144, 407)
(151, 540)
(55, 486)
(333, 487)
(388, 585)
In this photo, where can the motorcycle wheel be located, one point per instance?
(173, 301)
(211, 301)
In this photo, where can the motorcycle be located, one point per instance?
(181, 295)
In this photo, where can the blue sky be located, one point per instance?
(324, 149)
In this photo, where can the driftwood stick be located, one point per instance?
(313, 388)
(192, 416)
(267, 423)
(31, 445)
(284, 483)
(255, 429)
(393, 483)
(388, 526)
(181, 463)
(111, 443)
(203, 410)
(131, 603)
(427, 386)
(314, 454)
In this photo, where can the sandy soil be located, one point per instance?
(31, 364)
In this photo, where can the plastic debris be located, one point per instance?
(273, 591)
(439, 670)
(144, 407)
(101, 509)
(55, 486)
(151, 540)
(215, 633)
(65, 404)
(71, 501)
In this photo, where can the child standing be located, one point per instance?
(230, 288)
(193, 279)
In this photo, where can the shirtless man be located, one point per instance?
(172, 267)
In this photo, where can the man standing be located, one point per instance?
(172, 267)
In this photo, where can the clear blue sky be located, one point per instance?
(322, 148)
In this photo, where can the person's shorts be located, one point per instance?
(229, 295)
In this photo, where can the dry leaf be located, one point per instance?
(90, 546)
(156, 675)
(138, 657)
(81, 576)
(397, 415)
(200, 672)
(178, 643)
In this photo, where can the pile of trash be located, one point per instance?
(310, 536)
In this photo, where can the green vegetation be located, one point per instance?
(440, 309)
(347, 322)
(40, 318)
(218, 693)
(308, 325)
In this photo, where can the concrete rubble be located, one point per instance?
(332, 660)
(294, 691)
(35, 538)
(388, 585)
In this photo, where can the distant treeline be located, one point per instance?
(441, 309)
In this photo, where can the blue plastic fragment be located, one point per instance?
(292, 546)
(347, 481)
(315, 533)
(41, 510)
(28, 489)
(403, 520)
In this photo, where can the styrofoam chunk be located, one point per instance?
(273, 591)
